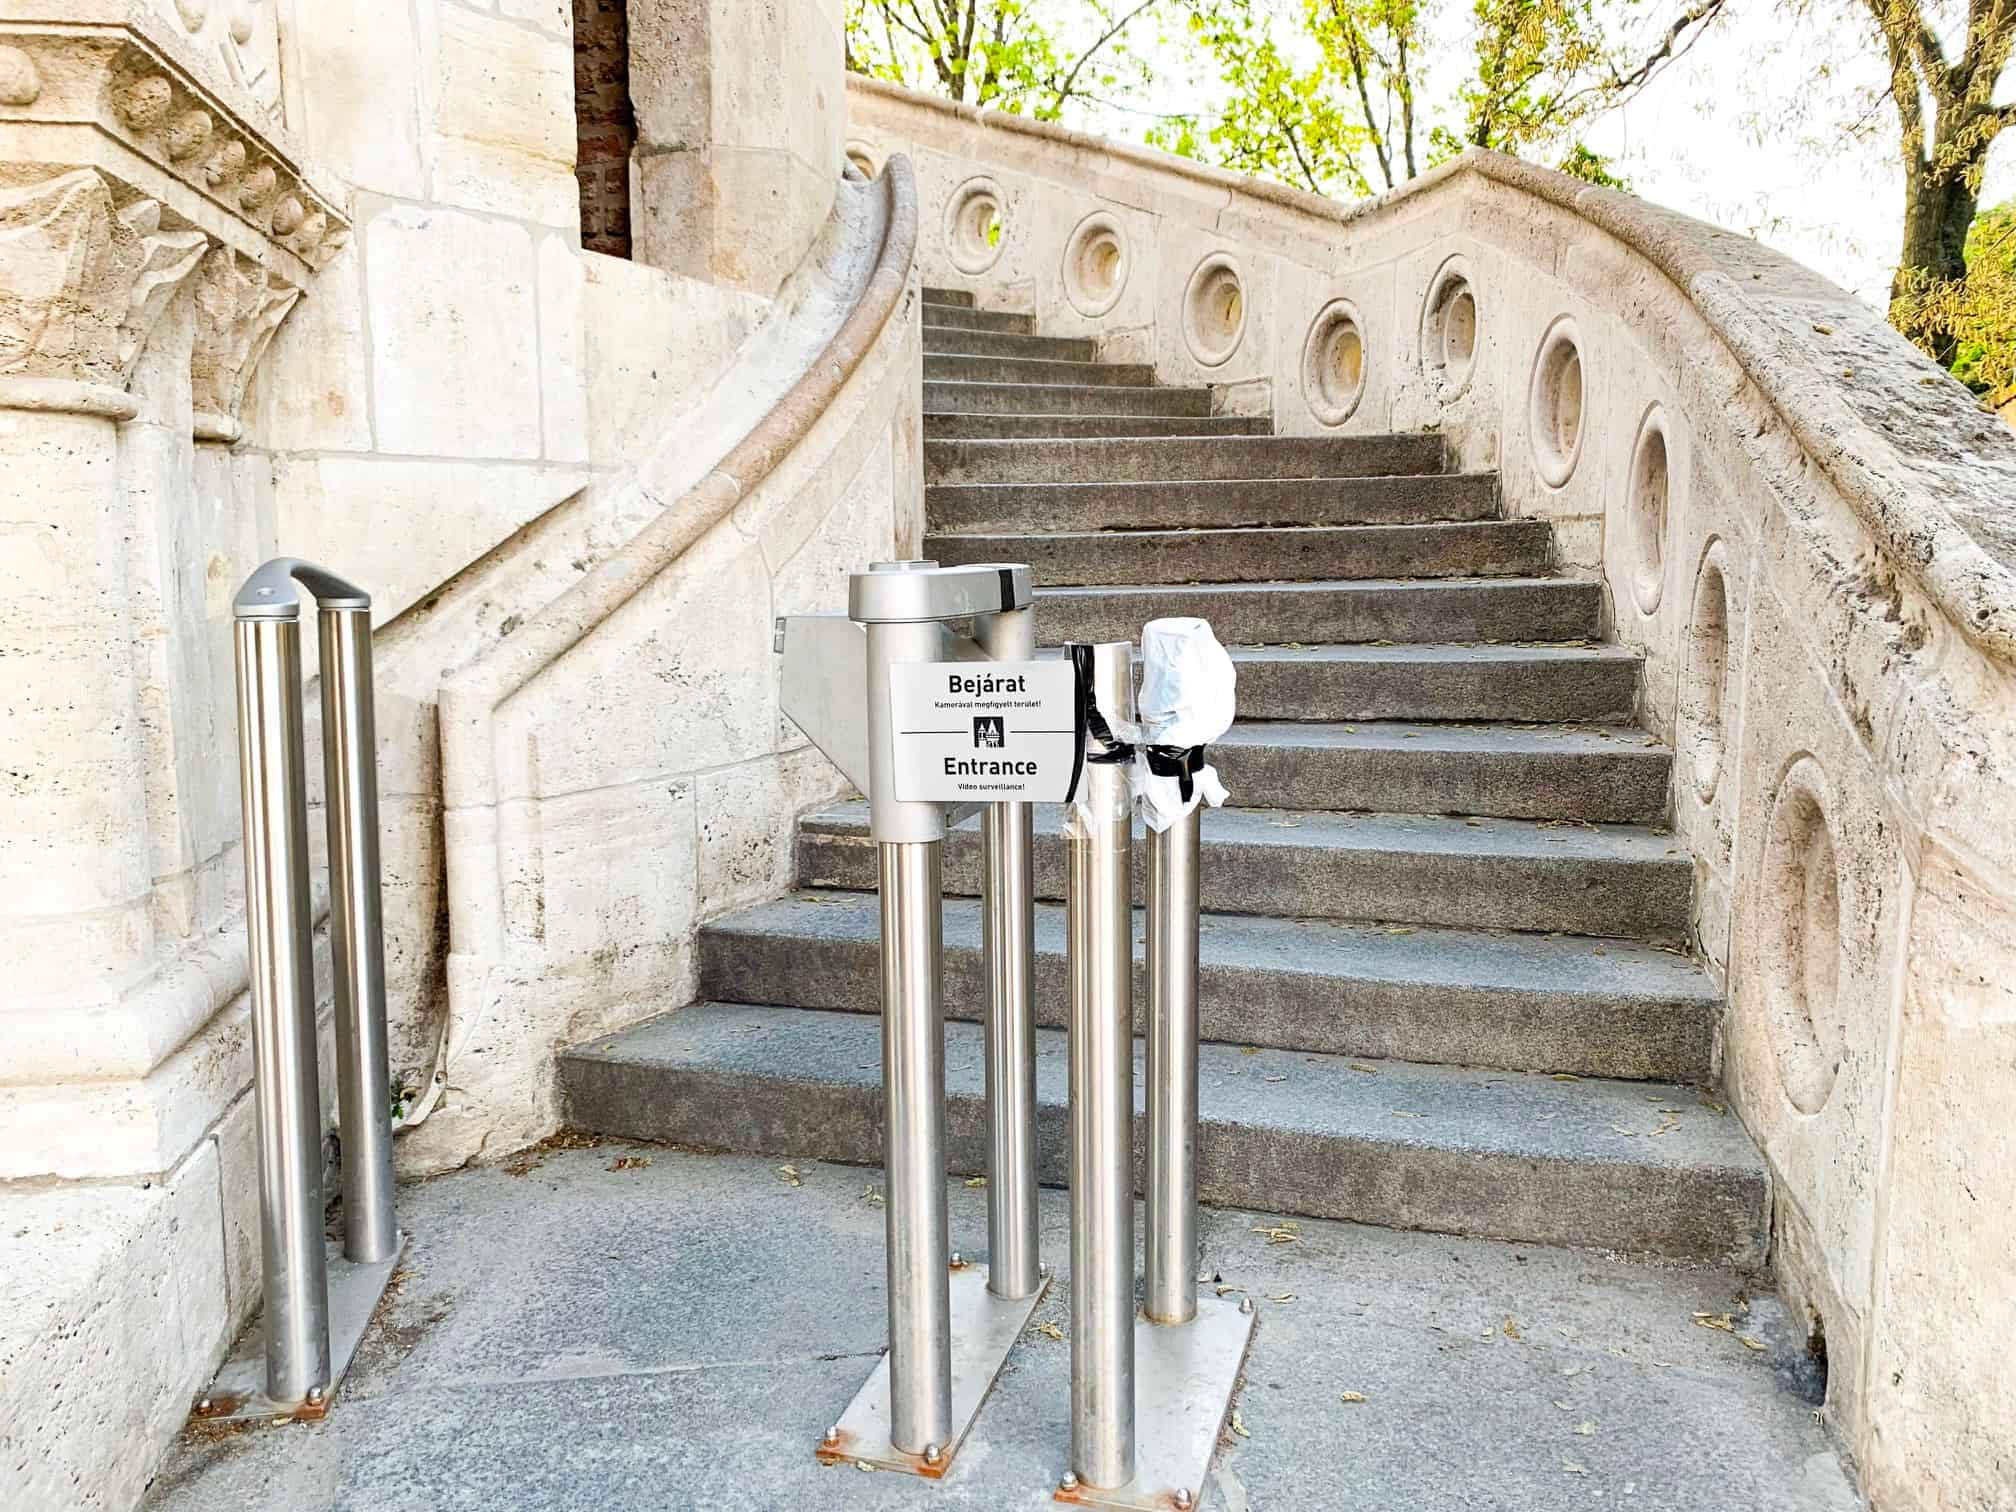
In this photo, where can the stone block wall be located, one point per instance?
(1801, 523)
(313, 284)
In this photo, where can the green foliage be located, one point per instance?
(1280, 121)
(1331, 95)
(1019, 56)
(1977, 311)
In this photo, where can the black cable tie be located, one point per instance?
(1181, 762)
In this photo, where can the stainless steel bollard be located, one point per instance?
(357, 932)
(913, 1078)
(915, 1213)
(286, 1084)
(1008, 944)
(272, 786)
(1171, 1260)
(1100, 950)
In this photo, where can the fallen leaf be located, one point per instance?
(1564, 1076)
(1050, 1331)
(1749, 1343)
(976, 1181)
(1226, 1291)
(1274, 1078)
(1724, 1322)
(872, 1197)
(1353, 1396)
(1402, 1113)
(1249, 1049)
(1571, 1468)
(1398, 930)
(1285, 1232)
(1361, 1066)
(1239, 1425)
(790, 1174)
(864, 1465)
(1511, 1329)
(1563, 1405)
(1281, 1297)
(1585, 1429)
(629, 1162)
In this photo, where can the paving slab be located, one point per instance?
(676, 1333)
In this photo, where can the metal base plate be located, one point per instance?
(1184, 1377)
(239, 1392)
(984, 1329)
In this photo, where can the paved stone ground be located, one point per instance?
(675, 1334)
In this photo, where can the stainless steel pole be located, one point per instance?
(272, 788)
(913, 1081)
(1100, 948)
(357, 933)
(1171, 1281)
(1008, 945)
(918, 1220)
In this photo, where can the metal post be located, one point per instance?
(1171, 1281)
(285, 1092)
(913, 1080)
(916, 1212)
(356, 933)
(1100, 948)
(1008, 945)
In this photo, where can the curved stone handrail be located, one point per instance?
(1931, 474)
(850, 289)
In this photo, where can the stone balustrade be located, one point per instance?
(1807, 530)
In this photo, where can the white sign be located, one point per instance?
(982, 731)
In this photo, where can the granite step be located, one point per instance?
(1621, 881)
(1078, 558)
(1468, 997)
(1155, 461)
(1335, 611)
(955, 368)
(1537, 684)
(951, 339)
(1062, 399)
(1643, 1168)
(1604, 775)
(966, 318)
(1120, 505)
(947, 427)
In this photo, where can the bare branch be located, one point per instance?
(1063, 92)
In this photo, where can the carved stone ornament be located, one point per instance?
(86, 278)
(239, 305)
(139, 140)
(180, 101)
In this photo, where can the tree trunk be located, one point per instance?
(1938, 209)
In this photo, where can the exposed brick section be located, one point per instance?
(605, 125)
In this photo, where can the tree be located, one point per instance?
(1977, 313)
(1948, 119)
(1352, 116)
(1012, 55)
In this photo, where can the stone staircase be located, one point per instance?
(1444, 983)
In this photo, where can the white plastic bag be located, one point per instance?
(1187, 701)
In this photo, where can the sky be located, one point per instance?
(1702, 140)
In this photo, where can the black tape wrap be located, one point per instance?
(1092, 723)
(1181, 762)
